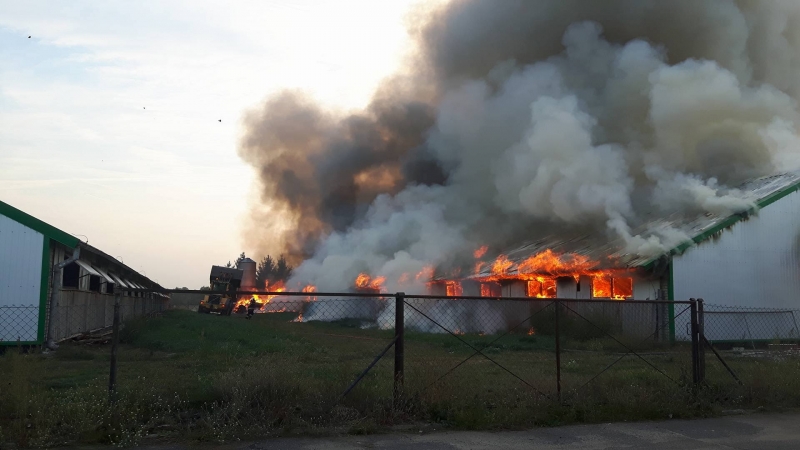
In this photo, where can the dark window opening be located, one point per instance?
(71, 276)
(109, 288)
(94, 283)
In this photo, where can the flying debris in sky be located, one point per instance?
(220, 120)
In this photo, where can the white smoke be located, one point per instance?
(602, 134)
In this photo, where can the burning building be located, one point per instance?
(587, 145)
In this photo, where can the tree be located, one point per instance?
(235, 265)
(271, 271)
(265, 271)
(282, 269)
(239, 259)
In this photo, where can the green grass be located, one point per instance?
(188, 376)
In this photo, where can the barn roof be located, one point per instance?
(611, 253)
(38, 225)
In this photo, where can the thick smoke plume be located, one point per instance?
(521, 118)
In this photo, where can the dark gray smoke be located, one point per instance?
(524, 117)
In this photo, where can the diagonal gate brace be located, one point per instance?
(369, 367)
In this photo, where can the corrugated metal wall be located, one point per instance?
(20, 280)
(80, 312)
(756, 263)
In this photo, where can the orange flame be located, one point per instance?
(425, 274)
(547, 262)
(309, 288)
(364, 281)
(541, 270)
(617, 288)
(501, 265)
(480, 252)
(453, 289)
(542, 287)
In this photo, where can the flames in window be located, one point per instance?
(618, 288)
(542, 288)
(490, 289)
(453, 289)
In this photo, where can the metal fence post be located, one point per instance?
(695, 343)
(558, 351)
(701, 348)
(112, 376)
(399, 345)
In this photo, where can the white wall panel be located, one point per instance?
(20, 279)
(645, 289)
(755, 263)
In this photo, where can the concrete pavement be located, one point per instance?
(756, 431)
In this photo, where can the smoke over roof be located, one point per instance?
(519, 119)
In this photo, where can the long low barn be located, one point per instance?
(745, 266)
(54, 287)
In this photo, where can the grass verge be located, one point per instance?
(186, 376)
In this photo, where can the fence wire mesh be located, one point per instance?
(19, 323)
(75, 313)
(741, 343)
(79, 312)
(545, 347)
(541, 348)
(749, 325)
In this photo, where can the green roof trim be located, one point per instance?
(37, 225)
(729, 221)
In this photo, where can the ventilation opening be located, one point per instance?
(94, 283)
(71, 276)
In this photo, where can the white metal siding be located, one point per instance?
(20, 279)
(756, 263)
(644, 289)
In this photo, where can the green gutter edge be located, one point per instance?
(729, 221)
(43, 288)
(46, 229)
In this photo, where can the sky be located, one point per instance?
(110, 112)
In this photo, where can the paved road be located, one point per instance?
(757, 431)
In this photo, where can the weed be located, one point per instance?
(220, 379)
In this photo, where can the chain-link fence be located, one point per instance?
(75, 313)
(80, 312)
(751, 326)
(19, 323)
(564, 349)
(551, 347)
